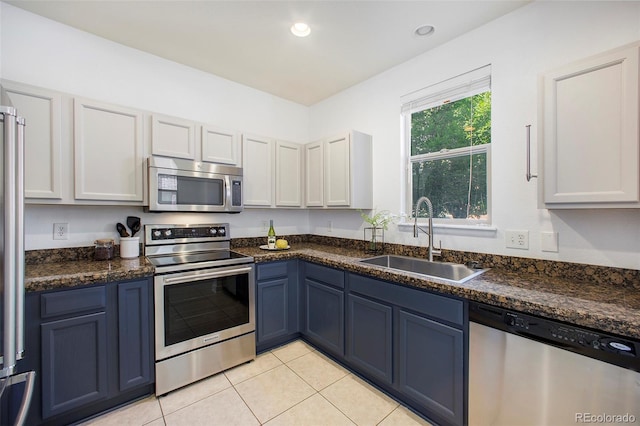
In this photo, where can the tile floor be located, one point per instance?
(290, 385)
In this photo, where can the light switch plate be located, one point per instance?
(549, 241)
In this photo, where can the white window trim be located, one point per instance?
(455, 88)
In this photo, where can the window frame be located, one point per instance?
(451, 90)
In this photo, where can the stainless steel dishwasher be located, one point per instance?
(528, 370)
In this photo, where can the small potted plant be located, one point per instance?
(374, 234)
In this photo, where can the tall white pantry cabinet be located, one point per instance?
(589, 134)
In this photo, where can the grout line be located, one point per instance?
(246, 405)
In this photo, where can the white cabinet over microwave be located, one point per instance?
(175, 137)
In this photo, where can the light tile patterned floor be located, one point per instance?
(290, 385)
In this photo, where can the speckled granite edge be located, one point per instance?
(66, 274)
(549, 268)
(614, 309)
(602, 298)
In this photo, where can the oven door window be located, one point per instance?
(200, 308)
(187, 190)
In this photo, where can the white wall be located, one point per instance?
(519, 46)
(543, 35)
(44, 53)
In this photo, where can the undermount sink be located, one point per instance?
(454, 272)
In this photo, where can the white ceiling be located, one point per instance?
(249, 42)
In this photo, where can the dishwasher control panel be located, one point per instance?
(610, 348)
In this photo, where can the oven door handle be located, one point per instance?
(206, 276)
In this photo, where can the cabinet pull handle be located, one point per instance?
(529, 175)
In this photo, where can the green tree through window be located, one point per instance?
(449, 148)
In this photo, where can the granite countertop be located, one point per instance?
(607, 304)
(609, 307)
(65, 274)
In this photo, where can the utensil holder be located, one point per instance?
(129, 247)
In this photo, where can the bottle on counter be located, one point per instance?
(271, 236)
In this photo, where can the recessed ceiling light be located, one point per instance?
(424, 30)
(300, 29)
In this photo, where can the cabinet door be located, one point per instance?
(431, 362)
(74, 363)
(43, 151)
(314, 174)
(288, 175)
(257, 161)
(108, 152)
(590, 132)
(369, 337)
(220, 146)
(324, 316)
(273, 309)
(173, 137)
(337, 179)
(135, 357)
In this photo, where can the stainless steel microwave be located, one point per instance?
(190, 186)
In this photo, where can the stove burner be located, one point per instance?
(195, 258)
(173, 248)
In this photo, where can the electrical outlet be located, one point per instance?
(60, 231)
(517, 239)
(330, 226)
(265, 226)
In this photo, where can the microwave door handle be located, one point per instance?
(206, 276)
(228, 198)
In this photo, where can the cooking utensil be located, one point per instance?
(133, 223)
(122, 230)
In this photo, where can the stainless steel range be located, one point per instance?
(204, 303)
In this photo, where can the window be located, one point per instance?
(448, 136)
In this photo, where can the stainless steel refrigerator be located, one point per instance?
(15, 388)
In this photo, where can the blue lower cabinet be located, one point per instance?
(273, 312)
(276, 303)
(370, 337)
(91, 348)
(135, 335)
(431, 365)
(74, 363)
(411, 343)
(324, 316)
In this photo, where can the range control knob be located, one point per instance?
(213, 231)
(157, 233)
(167, 233)
(222, 231)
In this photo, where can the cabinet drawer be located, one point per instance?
(324, 274)
(433, 305)
(269, 270)
(67, 302)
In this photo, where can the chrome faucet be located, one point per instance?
(416, 228)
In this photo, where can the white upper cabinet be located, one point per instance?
(258, 164)
(173, 137)
(180, 138)
(108, 148)
(42, 110)
(339, 172)
(589, 132)
(220, 145)
(314, 174)
(288, 174)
